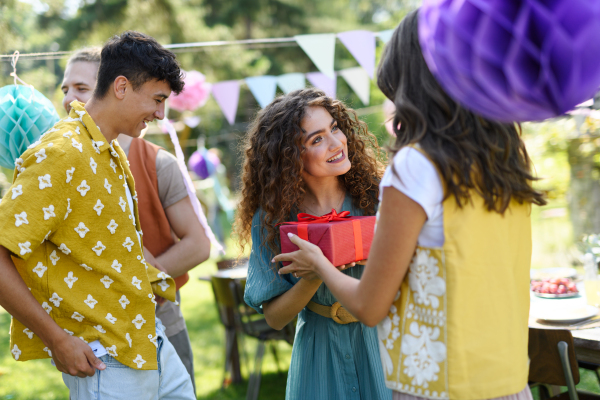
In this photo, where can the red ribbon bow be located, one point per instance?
(304, 218)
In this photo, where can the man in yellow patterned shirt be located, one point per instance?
(71, 253)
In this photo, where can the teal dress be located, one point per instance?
(329, 361)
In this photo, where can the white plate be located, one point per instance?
(564, 315)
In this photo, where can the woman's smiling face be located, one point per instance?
(326, 145)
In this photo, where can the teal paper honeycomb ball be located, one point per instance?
(25, 114)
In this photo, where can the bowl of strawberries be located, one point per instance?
(554, 288)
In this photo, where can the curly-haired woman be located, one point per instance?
(448, 273)
(308, 153)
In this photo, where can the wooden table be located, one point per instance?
(586, 341)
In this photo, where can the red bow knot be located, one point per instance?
(304, 218)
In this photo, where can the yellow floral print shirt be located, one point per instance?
(67, 220)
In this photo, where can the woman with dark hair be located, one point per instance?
(447, 279)
(306, 152)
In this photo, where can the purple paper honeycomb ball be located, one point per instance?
(513, 60)
(204, 163)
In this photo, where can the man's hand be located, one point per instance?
(75, 357)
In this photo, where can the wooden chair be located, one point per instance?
(225, 306)
(553, 362)
(255, 325)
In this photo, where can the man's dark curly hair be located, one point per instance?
(272, 172)
(139, 58)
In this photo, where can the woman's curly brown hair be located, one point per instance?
(272, 170)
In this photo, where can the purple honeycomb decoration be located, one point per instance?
(513, 60)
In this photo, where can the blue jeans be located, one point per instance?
(119, 382)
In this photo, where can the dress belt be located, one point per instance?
(336, 312)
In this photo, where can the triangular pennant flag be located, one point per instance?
(385, 36)
(263, 88)
(227, 95)
(322, 82)
(290, 82)
(321, 50)
(359, 81)
(361, 44)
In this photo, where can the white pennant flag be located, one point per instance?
(321, 50)
(358, 79)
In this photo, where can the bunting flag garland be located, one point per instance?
(323, 82)
(385, 36)
(320, 48)
(227, 95)
(358, 79)
(361, 44)
(263, 88)
(290, 82)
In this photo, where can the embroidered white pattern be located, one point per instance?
(55, 299)
(164, 285)
(17, 191)
(16, 353)
(40, 156)
(99, 248)
(34, 144)
(77, 316)
(112, 227)
(122, 203)
(97, 146)
(48, 212)
(90, 301)
(128, 339)
(68, 331)
(54, 258)
(77, 130)
(77, 145)
(63, 247)
(40, 269)
(110, 318)
(21, 219)
(47, 235)
(162, 275)
(128, 243)
(24, 247)
(83, 339)
(124, 301)
(70, 174)
(18, 163)
(139, 361)
(100, 329)
(28, 333)
(86, 267)
(82, 230)
(93, 165)
(107, 185)
(116, 266)
(424, 281)
(45, 181)
(136, 282)
(139, 321)
(423, 353)
(153, 339)
(83, 188)
(106, 281)
(47, 350)
(112, 350)
(98, 207)
(68, 208)
(47, 307)
(70, 279)
(113, 165)
(68, 135)
(151, 297)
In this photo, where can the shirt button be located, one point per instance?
(354, 389)
(347, 356)
(120, 176)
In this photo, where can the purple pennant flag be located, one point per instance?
(323, 82)
(227, 95)
(361, 45)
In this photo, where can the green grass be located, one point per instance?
(39, 380)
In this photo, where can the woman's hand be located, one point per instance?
(308, 262)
